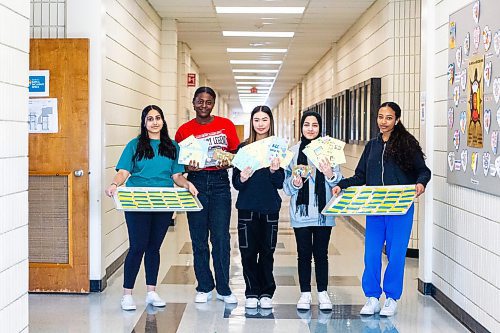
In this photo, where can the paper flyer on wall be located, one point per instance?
(43, 115)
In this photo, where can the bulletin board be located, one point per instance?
(156, 199)
(372, 200)
(473, 114)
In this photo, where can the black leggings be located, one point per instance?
(146, 231)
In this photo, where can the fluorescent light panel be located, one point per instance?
(270, 34)
(255, 83)
(255, 62)
(254, 50)
(255, 70)
(259, 10)
(251, 77)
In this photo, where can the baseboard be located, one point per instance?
(425, 288)
(100, 285)
(462, 316)
(410, 253)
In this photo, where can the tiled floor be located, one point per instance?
(101, 312)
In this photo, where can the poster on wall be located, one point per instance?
(473, 111)
(39, 83)
(42, 115)
(475, 83)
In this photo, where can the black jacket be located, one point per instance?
(375, 169)
(260, 192)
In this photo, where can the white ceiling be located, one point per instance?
(200, 26)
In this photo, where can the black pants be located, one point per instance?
(313, 241)
(257, 236)
(146, 231)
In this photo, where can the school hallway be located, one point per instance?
(101, 312)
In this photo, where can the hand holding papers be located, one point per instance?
(325, 148)
(192, 149)
(259, 154)
(224, 157)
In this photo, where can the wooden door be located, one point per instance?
(58, 168)
(240, 131)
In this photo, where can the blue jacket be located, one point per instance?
(314, 218)
(260, 192)
(373, 169)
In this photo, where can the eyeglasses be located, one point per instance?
(200, 102)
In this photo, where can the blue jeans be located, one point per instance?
(213, 220)
(146, 231)
(394, 231)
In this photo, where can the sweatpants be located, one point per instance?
(394, 231)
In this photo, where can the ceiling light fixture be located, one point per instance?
(238, 70)
(255, 62)
(254, 83)
(252, 50)
(277, 34)
(259, 10)
(251, 77)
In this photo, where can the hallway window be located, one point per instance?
(48, 19)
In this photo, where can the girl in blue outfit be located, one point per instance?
(150, 160)
(308, 198)
(258, 207)
(394, 157)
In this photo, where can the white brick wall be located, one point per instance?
(466, 223)
(132, 80)
(14, 57)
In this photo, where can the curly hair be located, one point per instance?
(402, 146)
(144, 149)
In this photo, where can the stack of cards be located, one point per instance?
(192, 149)
(304, 171)
(259, 154)
(223, 156)
(325, 148)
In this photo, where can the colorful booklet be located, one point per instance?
(192, 149)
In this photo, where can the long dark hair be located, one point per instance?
(319, 181)
(144, 149)
(402, 146)
(261, 108)
(207, 90)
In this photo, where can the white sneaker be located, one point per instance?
(266, 303)
(202, 297)
(389, 308)
(155, 300)
(128, 303)
(251, 303)
(230, 299)
(371, 307)
(304, 302)
(324, 301)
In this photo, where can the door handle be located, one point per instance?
(78, 173)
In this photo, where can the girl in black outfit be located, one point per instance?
(258, 207)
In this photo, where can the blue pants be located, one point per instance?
(395, 231)
(212, 221)
(146, 231)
